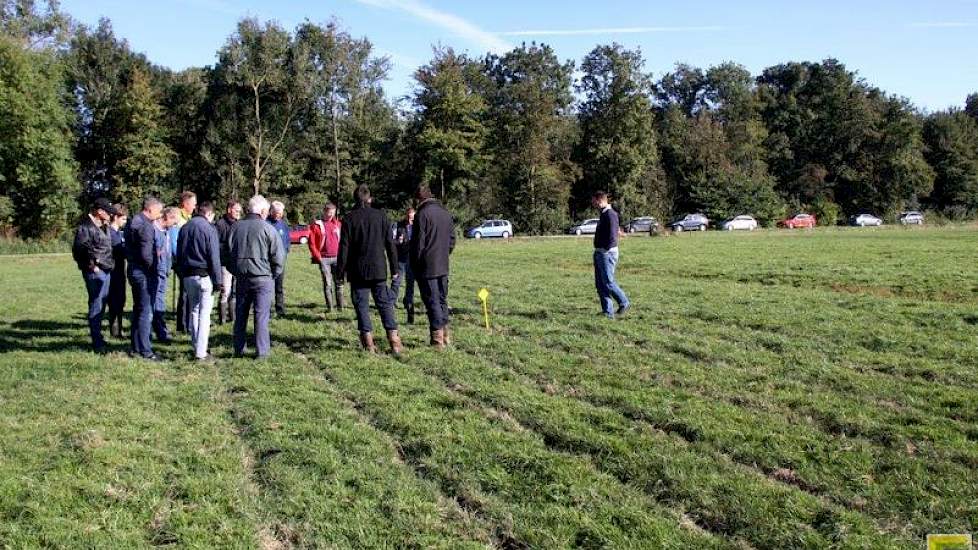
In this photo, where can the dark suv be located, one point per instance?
(692, 222)
(644, 224)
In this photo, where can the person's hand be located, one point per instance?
(395, 276)
(96, 270)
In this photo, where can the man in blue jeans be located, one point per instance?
(606, 258)
(257, 258)
(92, 251)
(142, 260)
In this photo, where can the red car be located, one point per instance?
(299, 234)
(799, 220)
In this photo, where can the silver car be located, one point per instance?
(912, 218)
(865, 220)
(586, 227)
(491, 228)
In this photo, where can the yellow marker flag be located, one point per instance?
(484, 296)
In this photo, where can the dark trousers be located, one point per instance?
(117, 295)
(407, 278)
(253, 293)
(280, 294)
(97, 285)
(183, 311)
(360, 293)
(434, 294)
(143, 287)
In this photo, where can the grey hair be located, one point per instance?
(171, 212)
(258, 204)
(150, 202)
(278, 206)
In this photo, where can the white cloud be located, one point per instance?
(609, 30)
(447, 21)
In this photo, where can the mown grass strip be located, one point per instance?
(534, 496)
(108, 453)
(327, 478)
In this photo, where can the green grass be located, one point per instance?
(768, 390)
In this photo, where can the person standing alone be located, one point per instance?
(324, 247)
(92, 251)
(199, 267)
(432, 241)
(606, 258)
(366, 252)
(257, 259)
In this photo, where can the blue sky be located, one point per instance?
(926, 51)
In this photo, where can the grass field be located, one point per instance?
(768, 390)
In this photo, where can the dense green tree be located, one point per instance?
(530, 107)
(35, 25)
(618, 150)
(952, 150)
(145, 160)
(38, 172)
(971, 106)
(451, 133)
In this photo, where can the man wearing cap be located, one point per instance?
(92, 251)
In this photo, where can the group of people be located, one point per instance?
(242, 261)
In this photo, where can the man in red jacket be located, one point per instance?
(324, 245)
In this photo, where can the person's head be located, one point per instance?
(422, 193)
(188, 201)
(121, 215)
(102, 210)
(234, 210)
(409, 215)
(258, 205)
(206, 209)
(362, 195)
(329, 211)
(152, 207)
(277, 210)
(599, 199)
(171, 215)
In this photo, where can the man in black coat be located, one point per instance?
(92, 251)
(432, 241)
(366, 251)
(143, 277)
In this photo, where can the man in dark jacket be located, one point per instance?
(117, 283)
(402, 238)
(199, 267)
(366, 251)
(92, 251)
(224, 226)
(606, 258)
(432, 241)
(141, 255)
(256, 259)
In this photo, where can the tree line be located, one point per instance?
(301, 115)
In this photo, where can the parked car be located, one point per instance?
(299, 234)
(863, 220)
(912, 218)
(799, 220)
(491, 228)
(741, 223)
(646, 224)
(692, 222)
(586, 227)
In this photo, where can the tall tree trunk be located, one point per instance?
(442, 177)
(336, 140)
(256, 159)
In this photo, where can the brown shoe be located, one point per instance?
(395, 342)
(448, 335)
(438, 339)
(367, 341)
